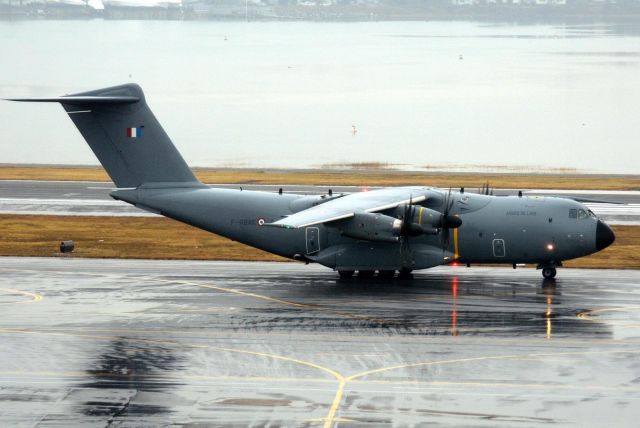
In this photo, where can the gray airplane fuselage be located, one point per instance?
(495, 229)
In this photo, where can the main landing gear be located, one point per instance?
(366, 273)
(346, 274)
(383, 274)
(386, 273)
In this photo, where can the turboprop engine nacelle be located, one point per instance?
(421, 220)
(372, 227)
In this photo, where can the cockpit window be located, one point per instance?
(592, 214)
(573, 213)
(582, 214)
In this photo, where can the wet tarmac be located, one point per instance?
(145, 343)
(92, 198)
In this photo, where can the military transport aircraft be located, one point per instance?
(387, 230)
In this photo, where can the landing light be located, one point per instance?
(550, 247)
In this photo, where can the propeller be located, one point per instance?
(409, 228)
(407, 214)
(448, 221)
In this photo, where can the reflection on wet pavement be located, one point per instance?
(100, 342)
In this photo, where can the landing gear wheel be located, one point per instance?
(386, 273)
(366, 273)
(549, 272)
(345, 274)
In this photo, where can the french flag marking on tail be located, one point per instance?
(134, 132)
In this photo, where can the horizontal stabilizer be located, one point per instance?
(75, 100)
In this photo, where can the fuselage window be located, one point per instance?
(582, 214)
(573, 213)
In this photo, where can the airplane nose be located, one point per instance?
(604, 236)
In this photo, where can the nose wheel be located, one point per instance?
(549, 272)
(549, 269)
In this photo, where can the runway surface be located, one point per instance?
(92, 198)
(145, 343)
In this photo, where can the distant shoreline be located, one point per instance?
(302, 11)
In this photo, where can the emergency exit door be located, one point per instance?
(498, 248)
(313, 240)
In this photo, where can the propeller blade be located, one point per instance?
(405, 246)
(447, 222)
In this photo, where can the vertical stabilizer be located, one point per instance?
(126, 137)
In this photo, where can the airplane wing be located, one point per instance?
(348, 206)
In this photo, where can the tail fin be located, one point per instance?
(125, 136)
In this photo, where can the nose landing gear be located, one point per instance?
(549, 269)
(549, 272)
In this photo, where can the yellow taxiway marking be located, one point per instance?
(325, 419)
(218, 288)
(34, 296)
(178, 344)
(488, 358)
(274, 299)
(337, 399)
(340, 392)
(234, 291)
(586, 315)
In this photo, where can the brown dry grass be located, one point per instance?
(118, 237)
(162, 238)
(357, 177)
